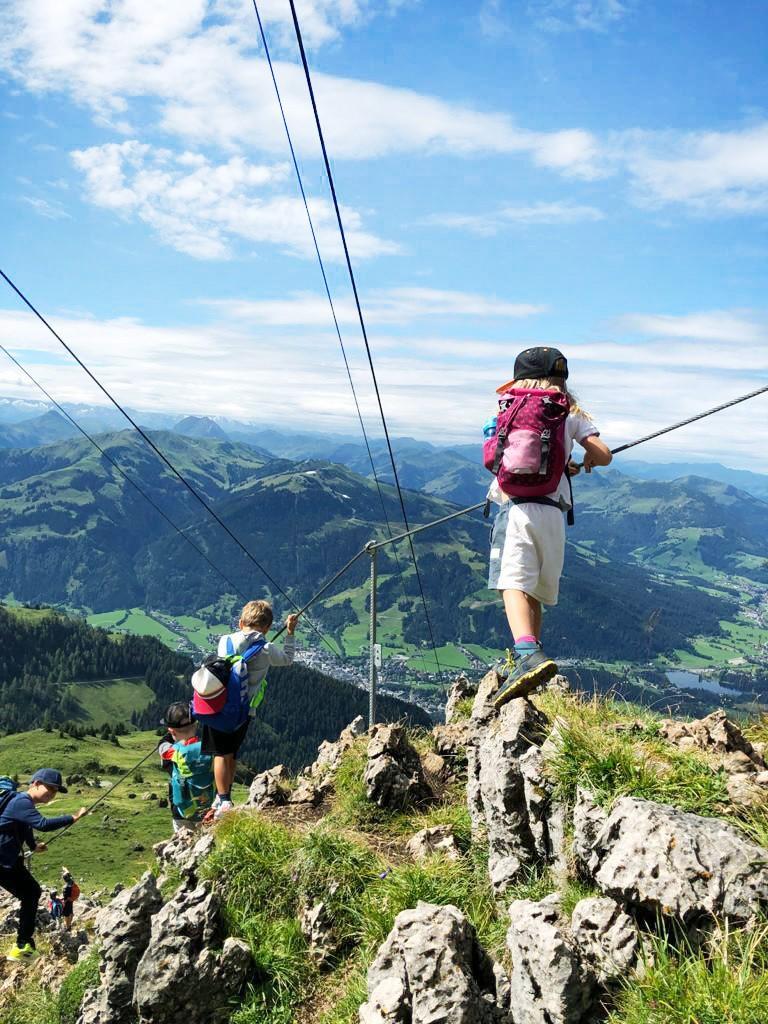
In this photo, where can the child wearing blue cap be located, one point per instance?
(19, 818)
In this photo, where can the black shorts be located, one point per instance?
(220, 743)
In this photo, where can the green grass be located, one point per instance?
(111, 700)
(99, 854)
(726, 983)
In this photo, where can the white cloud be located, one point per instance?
(44, 208)
(199, 208)
(713, 325)
(709, 172)
(206, 85)
(569, 15)
(393, 306)
(630, 389)
(509, 215)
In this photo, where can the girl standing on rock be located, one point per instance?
(527, 448)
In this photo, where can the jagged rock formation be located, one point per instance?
(662, 860)
(436, 840)
(588, 820)
(317, 929)
(270, 788)
(393, 776)
(122, 930)
(179, 977)
(461, 690)
(410, 983)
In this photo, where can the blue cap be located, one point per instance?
(49, 777)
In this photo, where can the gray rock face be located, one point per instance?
(715, 733)
(68, 945)
(511, 840)
(431, 969)
(270, 788)
(393, 776)
(607, 938)
(179, 978)
(184, 850)
(483, 709)
(546, 816)
(664, 860)
(461, 690)
(550, 984)
(329, 754)
(122, 930)
(436, 840)
(317, 929)
(588, 820)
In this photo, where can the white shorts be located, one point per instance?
(528, 550)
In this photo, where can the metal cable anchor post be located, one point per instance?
(374, 658)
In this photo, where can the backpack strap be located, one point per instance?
(254, 649)
(548, 501)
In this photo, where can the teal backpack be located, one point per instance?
(192, 786)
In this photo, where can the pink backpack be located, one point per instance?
(527, 452)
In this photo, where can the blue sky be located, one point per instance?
(587, 173)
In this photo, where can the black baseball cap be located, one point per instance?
(49, 777)
(177, 716)
(534, 363)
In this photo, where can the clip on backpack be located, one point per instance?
(527, 452)
(220, 698)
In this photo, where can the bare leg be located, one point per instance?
(221, 772)
(523, 613)
(232, 770)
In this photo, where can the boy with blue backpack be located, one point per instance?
(190, 789)
(230, 685)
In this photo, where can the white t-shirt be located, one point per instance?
(578, 427)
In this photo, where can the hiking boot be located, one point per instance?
(504, 667)
(224, 807)
(22, 954)
(530, 671)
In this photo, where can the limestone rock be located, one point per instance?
(436, 840)
(122, 931)
(179, 977)
(483, 709)
(270, 788)
(461, 690)
(588, 820)
(664, 860)
(546, 816)
(550, 983)
(329, 754)
(745, 790)
(185, 850)
(431, 969)
(67, 945)
(317, 929)
(393, 776)
(607, 938)
(559, 684)
(306, 792)
(451, 743)
(511, 842)
(474, 792)
(715, 733)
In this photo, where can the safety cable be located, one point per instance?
(326, 285)
(161, 455)
(122, 472)
(353, 282)
(104, 795)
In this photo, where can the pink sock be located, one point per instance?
(525, 640)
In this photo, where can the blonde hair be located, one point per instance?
(548, 383)
(257, 615)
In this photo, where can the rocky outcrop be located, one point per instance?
(662, 860)
(270, 788)
(184, 851)
(393, 775)
(550, 983)
(483, 709)
(607, 939)
(546, 815)
(716, 734)
(436, 840)
(497, 785)
(122, 931)
(431, 968)
(179, 977)
(317, 929)
(561, 969)
(461, 690)
(588, 820)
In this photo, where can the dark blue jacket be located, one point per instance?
(17, 822)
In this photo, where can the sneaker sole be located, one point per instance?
(527, 683)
